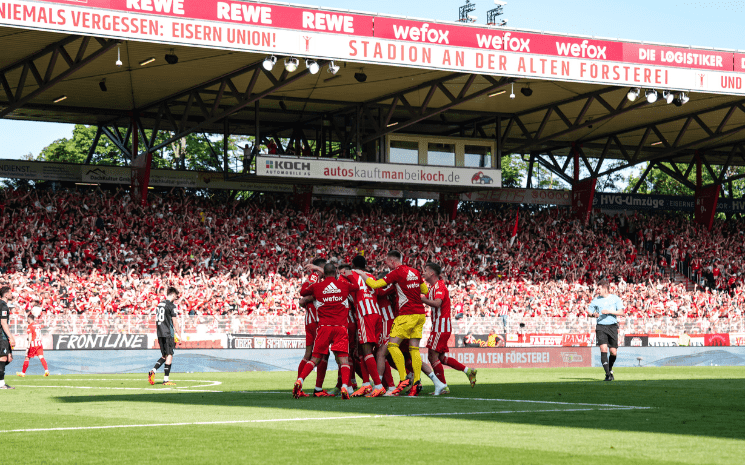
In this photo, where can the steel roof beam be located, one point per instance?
(17, 99)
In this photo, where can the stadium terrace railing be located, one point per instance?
(274, 325)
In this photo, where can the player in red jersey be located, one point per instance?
(311, 326)
(388, 312)
(330, 297)
(439, 299)
(369, 328)
(410, 320)
(34, 347)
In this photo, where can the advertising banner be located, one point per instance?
(338, 170)
(583, 194)
(477, 340)
(636, 340)
(141, 177)
(716, 340)
(100, 341)
(544, 339)
(368, 38)
(523, 357)
(577, 340)
(19, 169)
(258, 341)
(520, 196)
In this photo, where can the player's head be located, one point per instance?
(603, 286)
(172, 294)
(4, 291)
(359, 262)
(30, 317)
(432, 271)
(319, 261)
(329, 270)
(393, 259)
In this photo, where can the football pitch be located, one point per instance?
(648, 415)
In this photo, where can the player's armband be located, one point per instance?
(376, 284)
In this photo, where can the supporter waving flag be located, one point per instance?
(514, 228)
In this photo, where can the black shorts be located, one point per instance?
(5, 348)
(607, 334)
(167, 344)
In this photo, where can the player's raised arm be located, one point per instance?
(376, 283)
(436, 303)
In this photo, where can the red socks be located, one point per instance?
(25, 366)
(388, 376)
(300, 367)
(346, 373)
(307, 369)
(44, 364)
(321, 373)
(372, 368)
(439, 371)
(453, 363)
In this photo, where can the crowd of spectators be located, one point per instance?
(93, 252)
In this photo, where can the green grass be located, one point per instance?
(695, 416)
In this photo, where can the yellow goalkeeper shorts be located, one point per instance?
(408, 326)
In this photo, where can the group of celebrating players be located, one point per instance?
(370, 324)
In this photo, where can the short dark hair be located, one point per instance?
(329, 269)
(395, 254)
(344, 266)
(434, 267)
(31, 315)
(4, 290)
(319, 261)
(359, 262)
(603, 283)
(382, 274)
(172, 290)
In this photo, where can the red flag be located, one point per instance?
(514, 228)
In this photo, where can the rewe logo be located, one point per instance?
(332, 289)
(328, 22)
(159, 6)
(504, 42)
(584, 49)
(423, 34)
(411, 276)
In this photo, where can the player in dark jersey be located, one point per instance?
(7, 342)
(166, 319)
(331, 296)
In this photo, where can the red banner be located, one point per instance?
(239, 12)
(706, 205)
(576, 340)
(583, 194)
(740, 62)
(523, 357)
(141, 177)
(716, 340)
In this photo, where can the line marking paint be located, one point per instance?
(277, 420)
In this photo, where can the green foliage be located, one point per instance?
(660, 183)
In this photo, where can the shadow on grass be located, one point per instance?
(701, 407)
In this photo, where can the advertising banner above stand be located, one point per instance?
(371, 38)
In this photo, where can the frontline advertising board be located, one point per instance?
(340, 170)
(371, 38)
(523, 357)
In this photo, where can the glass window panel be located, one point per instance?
(404, 152)
(474, 155)
(441, 154)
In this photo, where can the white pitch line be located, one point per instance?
(277, 420)
(153, 390)
(190, 388)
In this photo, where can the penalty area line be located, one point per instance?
(279, 420)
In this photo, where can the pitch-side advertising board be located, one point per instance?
(370, 38)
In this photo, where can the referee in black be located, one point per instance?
(606, 307)
(7, 342)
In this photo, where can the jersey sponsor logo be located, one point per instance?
(412, 286)
(5, 313)
(411, 276)
(334, 298)
(332, 289)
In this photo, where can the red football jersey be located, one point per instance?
(311, 313)
(34, 339)
(331, 296)
(364, 299)
(440, 316)
(384, 296)
(407, 282)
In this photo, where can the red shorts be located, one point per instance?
(370, 329)
(310, 334)
(35, 352)
(331, 336)
(438, 342)
(385, 335)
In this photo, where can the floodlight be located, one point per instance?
(269, 62)
(119, 56)
(312, 66)
(171, 58)
(651, 95)
(684, 98)
(497, 93)
(60, 98)
(668, 96)
(633, 94)
(361, 76)
(333, 68)
(102, 85)
(291, 64)
(147, 61)
(526, 91)
(512, 94)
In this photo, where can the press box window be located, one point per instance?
(441, 154)
(477, 156)
(404, 152)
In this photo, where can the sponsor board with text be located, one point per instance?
(523, 357)
(257, 341)
(360, 37)
(100, 341)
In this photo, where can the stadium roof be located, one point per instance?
(217, 79)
